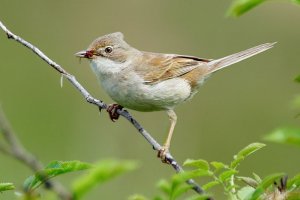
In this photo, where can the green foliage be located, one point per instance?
(297, 79)
(265, 184)
(294, 182)
(245, 192)
(100, 173)
(177, 186)
(241, 155)
(219, 174)
(200, 164)
(285, 136)
(53, 169)
(296, 1)
(6, 186)
(239, 7)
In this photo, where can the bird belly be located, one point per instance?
(131, 92)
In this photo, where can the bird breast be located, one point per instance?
(129, 90)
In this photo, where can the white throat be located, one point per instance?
(106, 67)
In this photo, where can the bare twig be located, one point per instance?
(156, 146)
(16, 150)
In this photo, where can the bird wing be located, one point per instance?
(155, 68)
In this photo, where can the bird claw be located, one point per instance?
(162, 154)
(112, 111)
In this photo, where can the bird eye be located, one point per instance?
(108, 49)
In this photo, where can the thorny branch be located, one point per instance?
(101, 105)
(15, 149)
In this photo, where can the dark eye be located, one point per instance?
(108, 49)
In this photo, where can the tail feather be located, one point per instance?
(218, 64)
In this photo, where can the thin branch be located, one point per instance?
(156, 146)
(16, 150)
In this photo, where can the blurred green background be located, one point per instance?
(237, 106)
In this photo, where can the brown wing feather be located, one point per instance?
(160, 67)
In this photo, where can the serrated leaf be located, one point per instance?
(53, 169)
(249, 181)
(219, 165)
(285, 136)
(100, 173)
(239, 7)
(210, 185)
(200, 164)
(227, 174)
(6, 186)
(266, 182)
(245, 193)
(242, 154)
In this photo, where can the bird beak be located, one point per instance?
(81, 54)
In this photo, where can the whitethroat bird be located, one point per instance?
(146, 81)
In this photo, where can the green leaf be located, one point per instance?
(200, 164)
(158, 198)
(226, 175)
(239, 7)
(178, 191)
(184, 176)
(6, 186)
(242, 154)
(100, 173)
(251, 148)
(210, 185)
(180, 178)
(294, 182)
(297, 79)
(285, 136)
(218, 165)
(53, 169)
(245, 193)
(266, 182)
(164, 186)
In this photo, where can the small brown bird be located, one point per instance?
(146, 81)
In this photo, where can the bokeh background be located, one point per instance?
(237, 106)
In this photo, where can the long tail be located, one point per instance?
(218, 64)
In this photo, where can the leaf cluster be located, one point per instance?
(226, 176)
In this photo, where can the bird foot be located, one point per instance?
(112, 111)
(162, 154)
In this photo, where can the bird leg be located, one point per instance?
(165, 148)
(112, 111)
